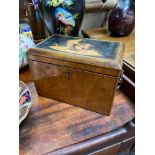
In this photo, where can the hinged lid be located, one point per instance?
(97, 56)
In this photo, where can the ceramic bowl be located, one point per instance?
(24, 101)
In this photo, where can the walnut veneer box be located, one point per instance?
(81, 72)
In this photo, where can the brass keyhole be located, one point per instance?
(68, 74)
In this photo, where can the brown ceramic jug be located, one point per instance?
(122, 18)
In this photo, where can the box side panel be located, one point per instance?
(120, 55)
(88, 90)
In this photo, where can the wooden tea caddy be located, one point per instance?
(78, 71)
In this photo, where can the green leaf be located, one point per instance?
(75, 15)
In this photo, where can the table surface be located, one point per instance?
(129, 41)
(53, 125)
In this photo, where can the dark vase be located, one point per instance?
(122, 18)
(62, 16)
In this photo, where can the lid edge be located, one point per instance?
(111, 64)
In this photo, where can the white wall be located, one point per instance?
(93, 20)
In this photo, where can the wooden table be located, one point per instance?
(56, 128)
(128, 85)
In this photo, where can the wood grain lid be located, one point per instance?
(104, 54)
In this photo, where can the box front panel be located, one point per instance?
(85, 89)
